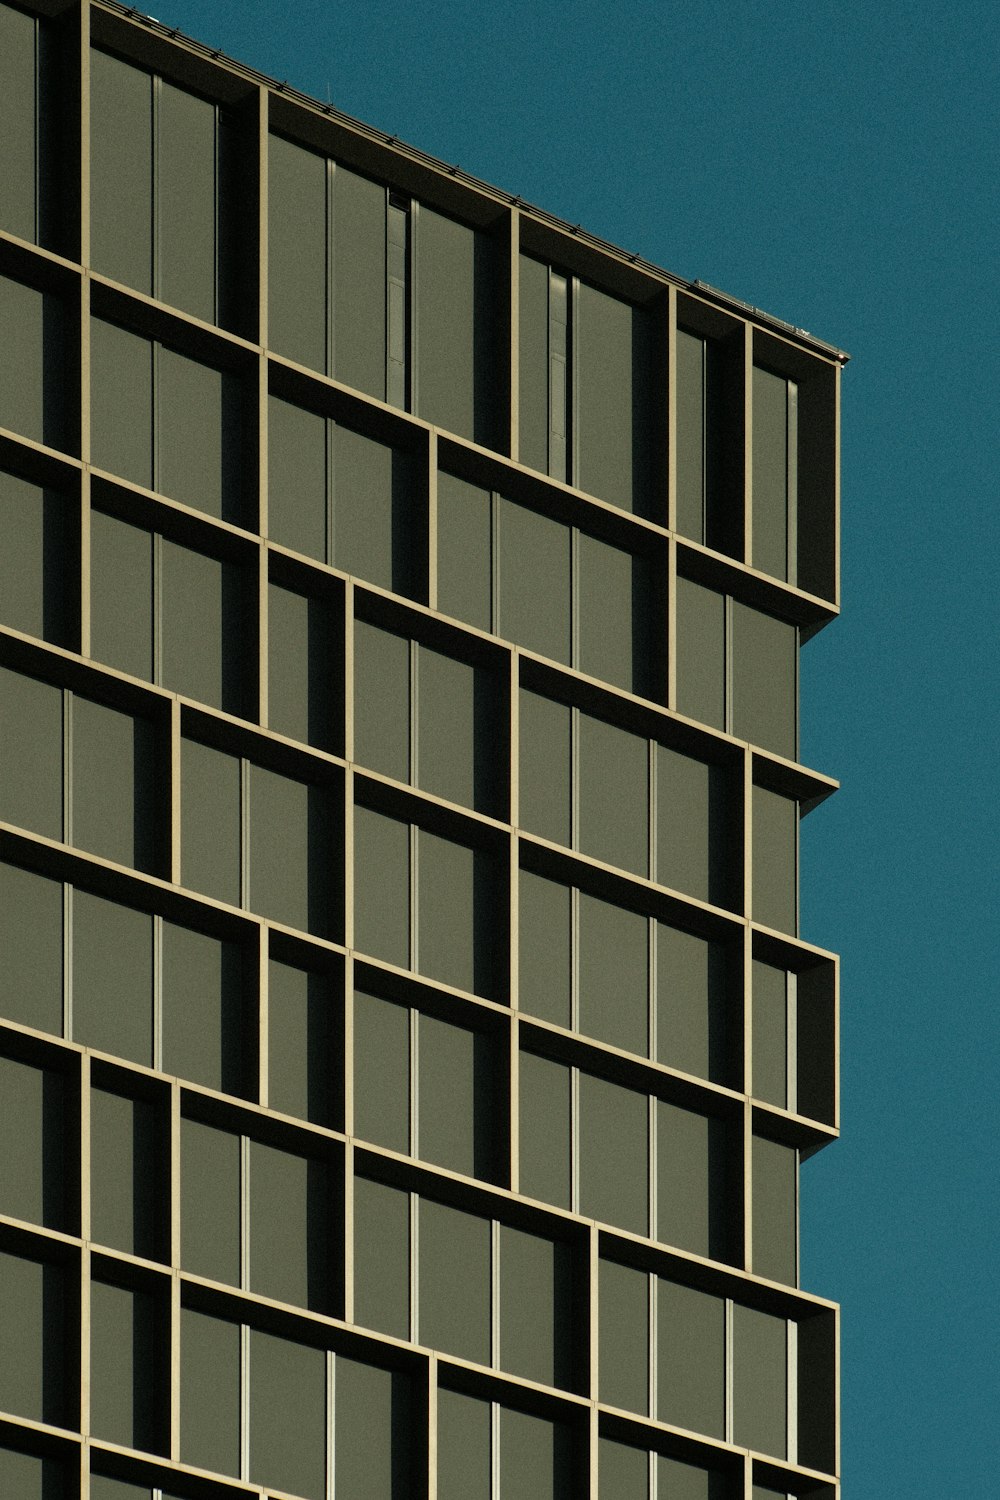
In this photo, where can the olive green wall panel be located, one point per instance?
(112, 977)
(297, 478)
(760, 1378)
(121, 167)
(382, 1257)
(614, 1154)
(287, 1415)
(129, 1183)
(18, 117)
(691, 1345)
(463, 1447)
(302, 1053)
(454, 1281)
(623, 1337)
(689, 400)
(31, 936)
(701, 653)
(614, 829)
(210, 1392)
(544, 767)
(359, 282)
(211, 1190)
(613, 974)
(31, 754)
(465, 551)
(544, 957)
(533, 581)
(545, 1166)
(297, 250)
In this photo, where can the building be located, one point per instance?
(407, 1046)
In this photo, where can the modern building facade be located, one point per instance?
(407, 1046)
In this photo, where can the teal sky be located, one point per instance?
(838, 165)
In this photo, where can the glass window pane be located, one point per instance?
(454, 1115)
(198, 435)
(381, 1072)
(533, 349)
(210, 821)
(382, 1258)
(297, 470)
(129, 1192)
(775, 849)
(359, 282)
(544, 786)
(465, 552)
(613, 387)
(127, 1367)
(775, 1215)
(545, 1130)
(613, 829)
(456, 730)
(33, 1144)
(382, 886)
(760, 1381)
(203, 1009)
(623, 1472)
(382, 700)
(284, 861)
(121, 402)
(691, 826)
(33, 1317)
(121, 170)
(210, 1202)
(624, 1337)
(691, 1343)
(533, 581)
(455, 309)
(112, 997)
(611, 590)
(454, 1278)
(31, 754)
(287, 1415)
(701, 653)
(452, 912)
(113, 811)
(534, 1458)
(691, 1163)
(210, 1392)
(31, 940)
(770, 473)
(186, 160)
(289, 1227)
(297, 244)
(373, 501)
(303, 667)
(535, 1316)
(765, 707)
(121, 595)
(202, 643)
(25, 1475)
(770, 1034)
(38, 567)
(690, 1003)
(463, 1447)
(373, 1432)
(614, 975)
(614, 1154)
(690, 407)
(680, 1481)
(302, 1052)
(18, 116)
(544, 973)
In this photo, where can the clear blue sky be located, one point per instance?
(837, 164)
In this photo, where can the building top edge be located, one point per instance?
(701, 288)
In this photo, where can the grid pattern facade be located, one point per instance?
(407, 1046)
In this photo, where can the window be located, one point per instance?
(684, 798)
(775, 473)
(624, 1474)
(382, 293)
(29, 196)
(775, 860)
(279, 863)
(169, 613)
(129, 1169)
(304, 673)
(585, 1144)
(33, 377)
(35, 1144)
(304, 1050)
(486, 1292)
(39, 584)
(510, 570)
(585, 383)
(166, 421)
(708, 404)
(454, 1104)
(107, 785)
(161, 156)
(280, 1391)
(255, 1215)
(36, 1315)
(774, 1174)
(425, 717)
(343, 497)
(434, 912)
(530, 1457)
(761, 703)
(703, 1344)
(129, 1364)
(584, 963)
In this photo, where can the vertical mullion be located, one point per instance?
(671, 408)
(514, 347)
(671, 623)
(494, 1294)
(175, 792)
(791, 1041)
(432, 520)
(747, 554)
(262, 247)
(175, 1280)
(246, 852)
(263, 1013)
(157, 608)
(156, 92)
(156, 1050)
(330, 270)
(792, 483)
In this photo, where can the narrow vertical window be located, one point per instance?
(396, 340)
